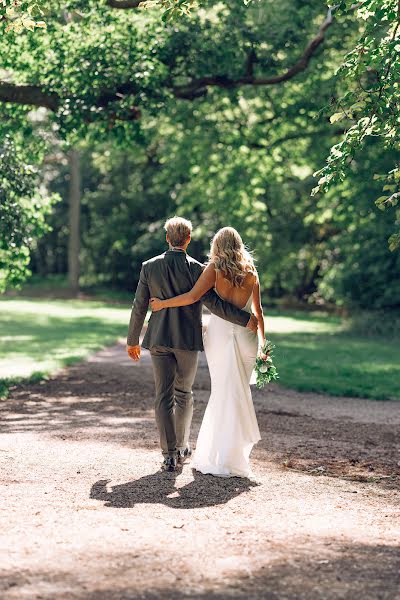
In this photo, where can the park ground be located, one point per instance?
(86, 513)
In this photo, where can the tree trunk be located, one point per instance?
(74, 221)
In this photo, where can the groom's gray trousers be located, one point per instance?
(174, 373)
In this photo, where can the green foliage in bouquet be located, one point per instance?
(265, 368)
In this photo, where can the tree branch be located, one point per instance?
(198, 87)
(28, 94)
(124, 3)
(35, 96)
(293, 136)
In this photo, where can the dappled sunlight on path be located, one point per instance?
(88, 515)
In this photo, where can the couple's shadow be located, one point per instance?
(159, 488)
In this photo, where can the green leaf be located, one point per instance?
(380, 202)
(337, 117)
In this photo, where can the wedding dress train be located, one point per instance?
(229, 428)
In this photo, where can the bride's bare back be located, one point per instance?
(238, 296)
(210, 278)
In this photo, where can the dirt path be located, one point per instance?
(86, 514)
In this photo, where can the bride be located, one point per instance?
(229, 428)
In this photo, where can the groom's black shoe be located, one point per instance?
(184, 455)
(169, 464)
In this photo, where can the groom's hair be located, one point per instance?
(178, 230)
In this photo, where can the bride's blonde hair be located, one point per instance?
(230, 257)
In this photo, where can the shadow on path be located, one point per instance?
(110, 399)
(159, 488)
(348, 571)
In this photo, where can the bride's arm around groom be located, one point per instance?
(169, 275)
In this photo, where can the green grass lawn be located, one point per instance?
(313, 352)
(39, 336)
(317, 353)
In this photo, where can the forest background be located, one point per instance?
(278, 118)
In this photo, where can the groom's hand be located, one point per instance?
(134, 352)
(253, 323)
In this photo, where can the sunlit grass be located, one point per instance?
(76, 309)
(317, 353)
(40, 336)
(298, 324)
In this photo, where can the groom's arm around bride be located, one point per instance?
(165, 276)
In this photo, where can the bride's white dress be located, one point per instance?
(229, 428)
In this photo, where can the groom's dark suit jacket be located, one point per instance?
(165, 276)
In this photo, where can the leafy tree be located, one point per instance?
(24, 207)
(17, 15)
(217, 117)
(105, 74)
(370, 72)
(111, 67)
(358, 270)
(369, 103)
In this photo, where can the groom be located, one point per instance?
(174, 336)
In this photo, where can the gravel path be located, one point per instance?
(86, 513)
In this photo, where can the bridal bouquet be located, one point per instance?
(265, 368)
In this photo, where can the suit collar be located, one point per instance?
(178, 252)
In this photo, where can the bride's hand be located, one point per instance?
(264, 356)
(156, 304)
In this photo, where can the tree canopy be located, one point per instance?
(225, 114)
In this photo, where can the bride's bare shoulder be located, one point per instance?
(210, 268)
(209, 272)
